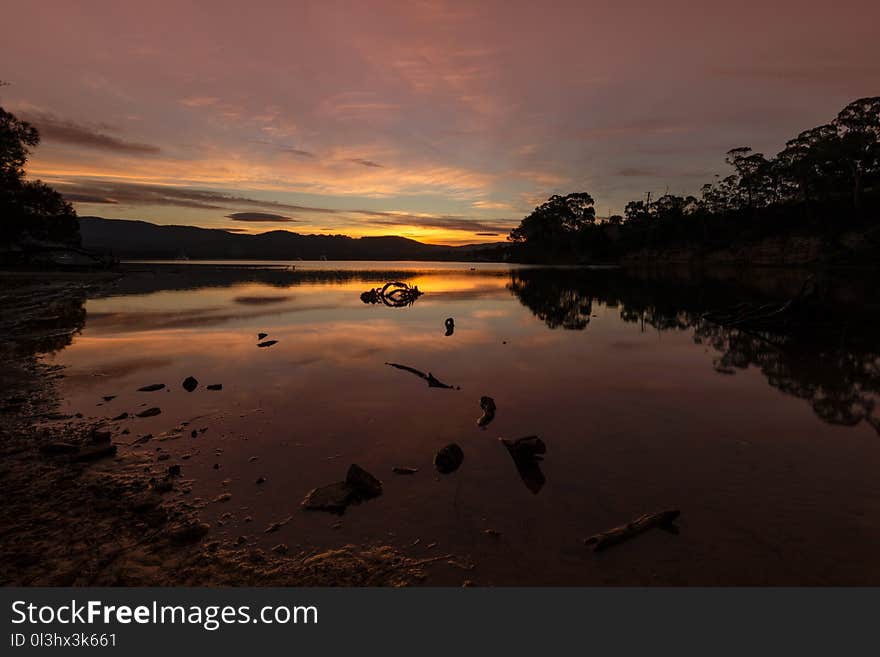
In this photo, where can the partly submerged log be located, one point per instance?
(662, 520)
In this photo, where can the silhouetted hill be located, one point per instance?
(140, 239)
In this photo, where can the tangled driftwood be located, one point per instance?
(394, 294)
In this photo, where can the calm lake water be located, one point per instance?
(768, 445)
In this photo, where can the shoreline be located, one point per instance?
(82, 510)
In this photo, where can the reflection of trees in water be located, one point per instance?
(833, 364)
(557, 300)
(836, 373)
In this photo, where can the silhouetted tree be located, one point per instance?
(858, 129)
(29, 210)
(556, 226)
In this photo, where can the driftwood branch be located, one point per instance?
(433, 382)
(662, 520)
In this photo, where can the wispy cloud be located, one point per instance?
(119, 193)
(258, 217)
(53, 128)
(365, 163)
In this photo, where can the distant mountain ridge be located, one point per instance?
(129, 239)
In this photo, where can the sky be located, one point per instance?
(445, 122)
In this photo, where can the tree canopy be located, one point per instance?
(821, 179)
(30, 211)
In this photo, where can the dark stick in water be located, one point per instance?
(433, 382)
(663, 520)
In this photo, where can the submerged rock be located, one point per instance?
(403, 470)
(215, 386)
(359, 486)
(448, 459)
(152, 388)
(121, 416)
(363, 483)
(527, 454)
(150, 412)
(190, 383)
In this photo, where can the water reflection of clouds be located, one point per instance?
(111, 322)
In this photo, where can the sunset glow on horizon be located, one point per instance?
(445, 122)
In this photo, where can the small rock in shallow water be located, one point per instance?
(448, 459)
(223, 497)
(150, 412)
(109, 397)
(163, 457)
(359, 485)
(174, 470)
(215, 386)
(152, 387)
(267, 343)
(216, 466)
(487, 404)
(94, 452)
(363, 483)
(190, 383)
(121, 416)
(261, 480)
(100, 437)
(260, 336)
(401, 470)
(281, 548)
(59, 448)
(189, 532)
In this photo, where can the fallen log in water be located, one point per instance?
(662, 520)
